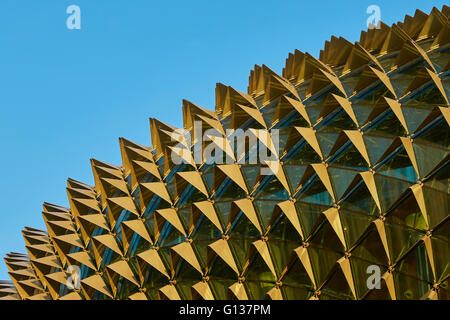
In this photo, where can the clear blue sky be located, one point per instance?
(67, 95)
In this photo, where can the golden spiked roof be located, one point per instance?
(362, 182)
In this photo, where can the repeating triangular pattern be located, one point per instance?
(362, 180)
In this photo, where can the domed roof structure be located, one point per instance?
(340, 173)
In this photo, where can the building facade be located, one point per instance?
(353, 202)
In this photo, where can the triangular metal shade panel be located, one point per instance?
(361, 181)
